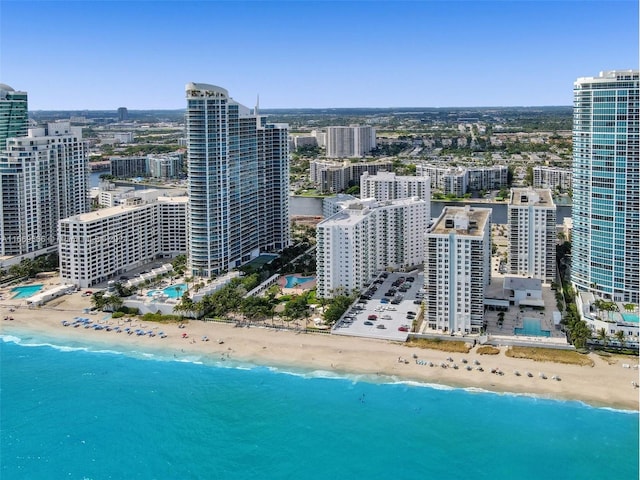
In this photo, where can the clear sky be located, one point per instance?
(101, 55)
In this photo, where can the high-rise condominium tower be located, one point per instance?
(13, 114)
(238, 168)
(532, 233)
(605, 236)
(43, 179)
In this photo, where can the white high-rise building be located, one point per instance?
(352, 141)
(366, 237)
(532, 233)
(43, 178)
(97, 246)
(238, 169)
(385, 186)
(457, 268)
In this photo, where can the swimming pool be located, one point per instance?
(531, 328)
(26, 291)
(172, 291)
(295, 280)
(630, 317)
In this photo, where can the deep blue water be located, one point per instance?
(76, 414)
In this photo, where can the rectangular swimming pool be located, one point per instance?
(531, 327)
(630, 317)
(26, 291)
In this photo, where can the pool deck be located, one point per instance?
(298, 289)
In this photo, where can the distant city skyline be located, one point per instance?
(101, 55)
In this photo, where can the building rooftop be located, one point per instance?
(539, 197)
(462, 220)
(117, 210)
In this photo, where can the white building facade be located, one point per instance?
(97, 246)
(43, 178)
(532, 233)
(351, 141)
(552, 177)
(366, 237)
(457, 269)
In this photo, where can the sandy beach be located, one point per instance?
(609, 382)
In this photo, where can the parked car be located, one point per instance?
(403, 328)
(372, 317)
(380, 326)
(367, 322)
(384, 300)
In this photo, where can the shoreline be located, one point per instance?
(605, 384)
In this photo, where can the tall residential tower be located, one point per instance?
(43, 178)
(238, 168)
(532, 233)
(606, 193)
(13, 114)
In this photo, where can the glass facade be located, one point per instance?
(13, 114)
(605, 235)
(236, 175)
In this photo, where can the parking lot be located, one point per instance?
(386, 309)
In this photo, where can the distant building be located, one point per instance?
(457, 269)
(129, 167)
(166, 166)
(352, 141)
(123, 114)
(532, 233)
(366, 237)
(606, 191)
(303, 141)
(384, 186)
(123, 137)
(552, 177)
(335, 177)
(43, 178)
(14, 116)
(98, 246)
(461, 180)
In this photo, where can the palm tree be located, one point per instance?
(580, 333)
(603, 336)
(620, 336)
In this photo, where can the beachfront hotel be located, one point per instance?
(457, 268)
(98, 246)
(532, 233)
(43, 178)
(366, 237)
(351, 141)
(606, 186)
(238, 169)
(14, 116)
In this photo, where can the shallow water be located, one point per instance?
(70, 412)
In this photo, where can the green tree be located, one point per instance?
(620, 337)
(603, 336)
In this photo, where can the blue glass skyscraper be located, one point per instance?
(606, 186)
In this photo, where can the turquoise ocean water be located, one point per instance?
(68, 412)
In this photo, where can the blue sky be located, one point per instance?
(312, 54)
